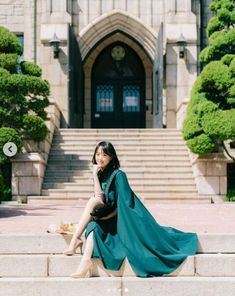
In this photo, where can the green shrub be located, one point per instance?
(224, 15)
(232, 91)
(218, 4)
(227, 59)
(9, 135)
(3, 72)
(205, 107)
(35, 127)
(8, 61)
(191, 127)
(9, 42)
(21, 93)
(201, 144)
(216, 79)
(232, 66)
(214, 25)
(231, 195)
(220, 125)
(31, 69)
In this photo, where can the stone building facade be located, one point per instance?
(119, 62)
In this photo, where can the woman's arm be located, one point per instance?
(97, 188)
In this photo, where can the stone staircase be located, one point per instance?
(32, 265)
(156, 162)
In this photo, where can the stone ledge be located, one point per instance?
(204, 265)
(55, 243)
(175, 286)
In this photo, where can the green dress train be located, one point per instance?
(151, 249)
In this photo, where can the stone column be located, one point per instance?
(29, 30)
(55, 20)
(180, 72)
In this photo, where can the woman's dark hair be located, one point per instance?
(108, 149)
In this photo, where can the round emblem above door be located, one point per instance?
(118, 53)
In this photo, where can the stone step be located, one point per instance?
(119, 146)
(86, 155)
(49, 265)
(151, 150)
(117, 286)
(117, 132)
(151, 182)
(55, 244)
(135, 174)
(128, 170)
(76, 158)
(157, 179)
(78, 164)
(147, 199)
(136, 186)
(90, 142)
(141, 190)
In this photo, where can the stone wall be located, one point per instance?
(151, 12)
(210, 174)
(12, 15)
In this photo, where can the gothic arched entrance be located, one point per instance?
(118, 88)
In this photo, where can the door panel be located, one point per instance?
(118, 91)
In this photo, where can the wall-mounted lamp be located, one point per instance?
(55, 43)
(181, 42)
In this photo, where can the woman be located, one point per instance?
(129, 230)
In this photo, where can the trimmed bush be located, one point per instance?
(210, 116)
(220, 125)
(227, 59)
(232, 67)
(9, 135)
(214, 25)
(35, 127)
(8, 61)
(191, 127)
(201, 144)
(20, 93)
(31, 69)
(9, 42)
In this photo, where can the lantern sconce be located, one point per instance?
(55, 43)
(181, 42)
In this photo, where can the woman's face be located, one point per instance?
(101, 158)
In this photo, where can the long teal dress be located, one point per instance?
(151, 249)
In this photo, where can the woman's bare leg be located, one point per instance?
(86, 263)
(85, 219)
(88, 251)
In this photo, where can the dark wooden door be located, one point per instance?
(118, 89)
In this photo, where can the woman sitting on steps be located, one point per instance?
(118, 226)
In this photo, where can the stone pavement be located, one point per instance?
(200, 218)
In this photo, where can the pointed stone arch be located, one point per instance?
(117, 20)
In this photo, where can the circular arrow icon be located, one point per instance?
(10, 149)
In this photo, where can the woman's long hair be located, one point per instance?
(108, 149)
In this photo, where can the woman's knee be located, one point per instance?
(93, 201)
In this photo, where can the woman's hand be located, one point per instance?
(96, 169)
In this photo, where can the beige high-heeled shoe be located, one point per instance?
(85, 271)
(78, 244)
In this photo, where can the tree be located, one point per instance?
(23, 99)
(23, 94)
(210, 116)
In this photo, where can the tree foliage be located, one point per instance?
(23, 94)
(210, 116)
